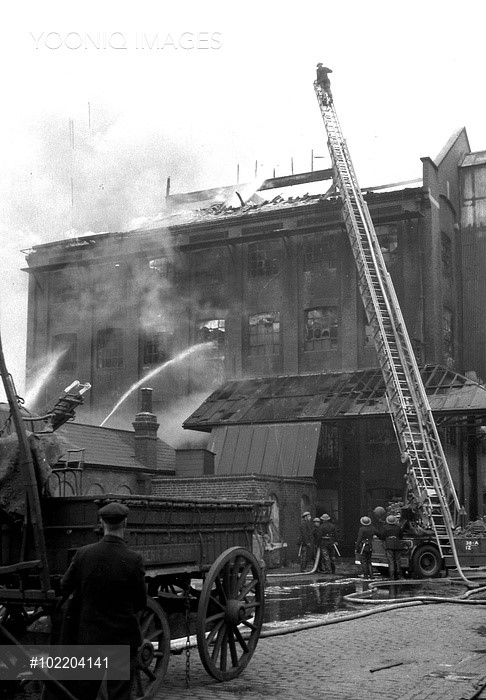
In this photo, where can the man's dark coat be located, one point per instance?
(108, 578)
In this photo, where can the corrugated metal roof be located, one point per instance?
(326, 396)
(111, 447)
(275, 450)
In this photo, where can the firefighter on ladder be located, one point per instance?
(323, 79)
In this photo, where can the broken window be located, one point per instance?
(264, 334)
(388, 240)
(109, 348)
(159, 266)
(320, 253)
(213, 331)
(321, 328)
(446, 254)
(65, 346)
(262, 259)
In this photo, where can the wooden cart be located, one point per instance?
(202, 576)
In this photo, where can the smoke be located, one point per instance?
(171, 430)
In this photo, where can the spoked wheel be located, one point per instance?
(230, 613)
(154, 652)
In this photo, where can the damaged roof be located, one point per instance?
(329, 396)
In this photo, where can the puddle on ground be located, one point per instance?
(308, 599)
(303, 599)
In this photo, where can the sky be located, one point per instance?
(102, 102)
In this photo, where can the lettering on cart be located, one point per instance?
(169, 553)
(471, 543)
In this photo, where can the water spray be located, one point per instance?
(178, 358)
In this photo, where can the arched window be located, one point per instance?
(304, 503)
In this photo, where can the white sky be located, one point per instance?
(405, 76)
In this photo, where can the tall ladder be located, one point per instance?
(429, 482)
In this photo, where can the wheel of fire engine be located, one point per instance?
(426, 562)
(154, 652)
(230, 613)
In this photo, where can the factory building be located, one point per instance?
(242, 311)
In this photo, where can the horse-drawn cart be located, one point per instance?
(203, 580)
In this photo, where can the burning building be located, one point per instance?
(249, 307)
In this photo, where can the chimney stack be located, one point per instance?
(145, 426)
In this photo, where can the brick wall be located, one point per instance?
(292, 495)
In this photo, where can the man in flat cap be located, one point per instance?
(109, 579)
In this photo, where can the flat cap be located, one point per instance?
(113, 513)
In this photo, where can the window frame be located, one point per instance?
(317, 344)
(259, 349)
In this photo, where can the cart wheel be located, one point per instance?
(154, 652)
(230, 613)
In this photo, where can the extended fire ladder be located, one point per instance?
(429, 482)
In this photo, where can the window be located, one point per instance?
(388, 240)
(264, 334)
(328, 448)
(446, 253)
(156, 347)
(213, 331)
(321, 328)
(447, 333)
(262, 260)
(159, 266)
(65, 346)
(109, 348)
(320, 253)
(208, 270)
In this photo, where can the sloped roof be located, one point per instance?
(329, 396)
(111, 447)
(477, 158)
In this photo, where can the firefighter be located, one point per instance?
(327, 531)
(323, 78)
(391, 535)
(364, 545)
(379, 518)
(305, 540)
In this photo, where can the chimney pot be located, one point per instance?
(146, 397)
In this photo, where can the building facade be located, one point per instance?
(266, 289)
